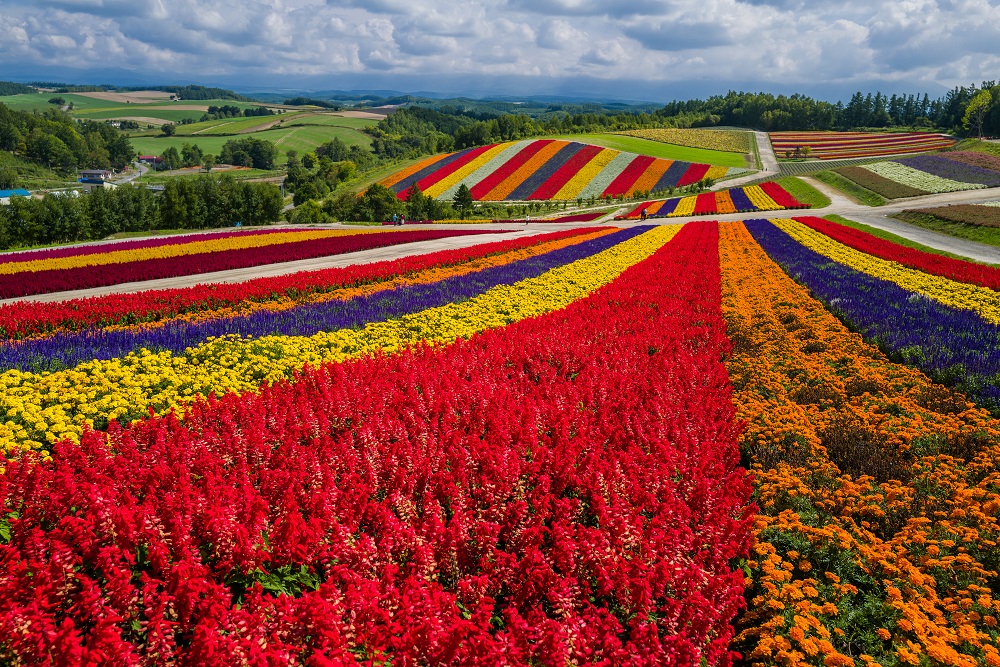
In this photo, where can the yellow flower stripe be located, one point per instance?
(760, 199)
(982, 300)
(684, 207)
(173, 250)
(412, 169)
(716, 172)
(431, 275)
(441, 186)
(40, 408)
(524, 172)
(654, 172)
(583, 177)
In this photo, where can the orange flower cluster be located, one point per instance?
(877, 538)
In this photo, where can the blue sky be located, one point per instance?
(630, 49)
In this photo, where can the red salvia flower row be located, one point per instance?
(549, 493)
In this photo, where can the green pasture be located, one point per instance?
(300, 138)
(659, 149)
(139, 110)
(978, 233)
(853, 191)
(804, 192)
(330, 119)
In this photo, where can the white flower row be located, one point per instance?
(599, 183)
(992, 203)
(479, 174)
(900, 173)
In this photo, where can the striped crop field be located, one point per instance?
(768, 196)
(845, 145)
(547, 169)
(927, 174)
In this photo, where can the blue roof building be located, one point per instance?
(5, 195)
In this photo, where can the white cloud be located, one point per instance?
(788, 42)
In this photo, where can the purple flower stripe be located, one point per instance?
(741, 201)
(69, 349)
(405, 184)
(545, 172)
(956, 171)
(180, 239)
(667, 208)
(954, 347)
(83, 277)
(672, 176)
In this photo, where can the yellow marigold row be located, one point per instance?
(524, 172)
(173, 250)
(40, 408)
(982, 300)
(684, 207)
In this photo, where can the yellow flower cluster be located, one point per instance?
(182, 247)
(967, 296)
(41, 408)
(684, 207)
(716, 140)
(760, 199)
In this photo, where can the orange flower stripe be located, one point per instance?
(412, 169)
(878, 490)
(724, 202)
(424, 277)
(172, 250)
(522, 173)
(654, 172)
(583, 177)
(465, 171)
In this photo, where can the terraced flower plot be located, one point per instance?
(767, 196)
(546, 169)
(927, 174)
(845, 145)
(656, 445)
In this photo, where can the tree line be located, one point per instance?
(56, 140)
(185, 203)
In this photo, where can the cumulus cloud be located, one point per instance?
(791, 42)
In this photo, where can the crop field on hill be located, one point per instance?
(547, 169)
(844, 145)
(659, 149)
(926, 174)
(720, 140)
(803, 415)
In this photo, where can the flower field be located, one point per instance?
(926, 174)
(767, 196)
(770, 443)
(845, 145)
(985, 215)
(546, 169)
(716, 140)
(25, 275)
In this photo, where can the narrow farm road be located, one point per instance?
(768, 163)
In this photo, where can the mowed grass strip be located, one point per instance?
(659, 149)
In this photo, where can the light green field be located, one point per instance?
(658, 149)
(140, 110)
(301, 139)
(41, 101)
(329, 119)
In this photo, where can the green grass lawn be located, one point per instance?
(659, 149)
(851, 189)
(889, 236)
(987, 235)
(804, 192)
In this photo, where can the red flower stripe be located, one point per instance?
(549, 188)
(704, 204)
(486, 185)
(780, 195)
(61, 280)
(695, 173)
(548, 493)
(938, 265)
(635, 169)
(25, 318)
(451, 167)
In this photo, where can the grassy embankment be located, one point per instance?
(851, 189)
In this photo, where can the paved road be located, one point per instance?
(768, 163)
(363, 257)
(840, 205)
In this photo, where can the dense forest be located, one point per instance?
(58, 141)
